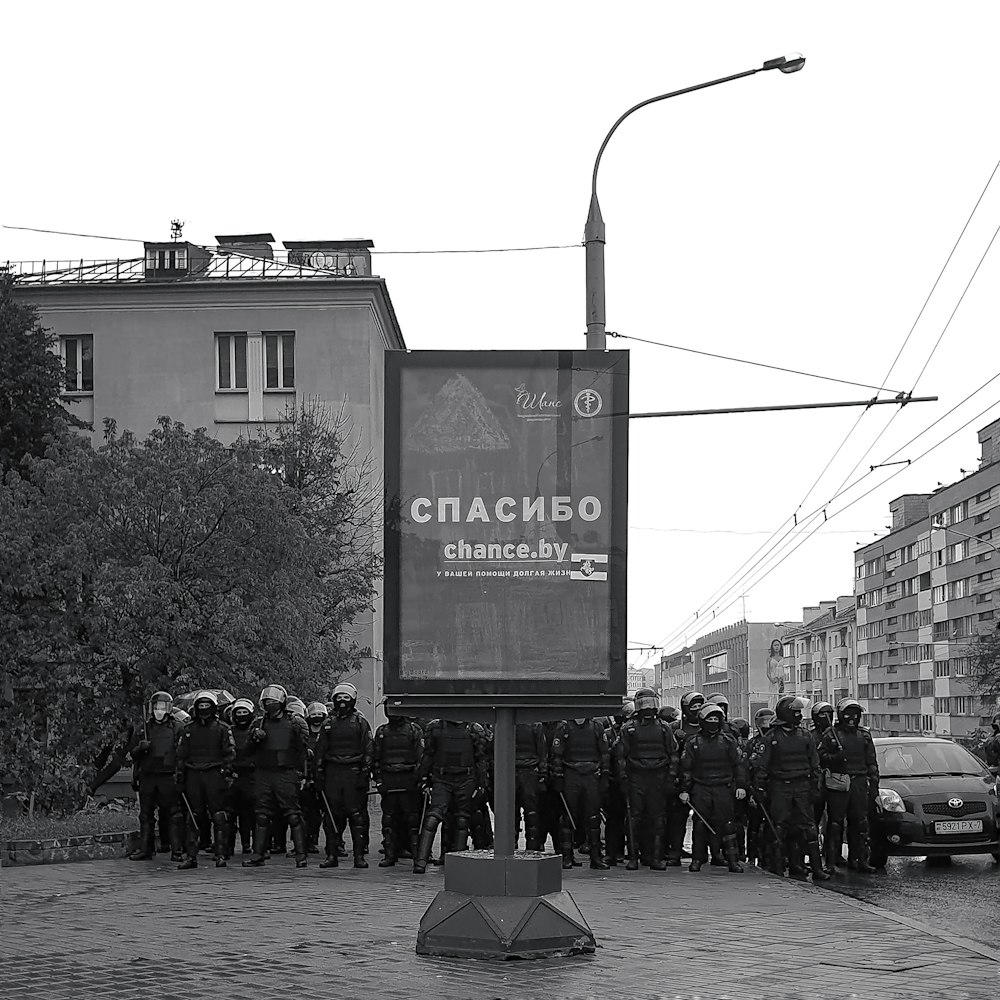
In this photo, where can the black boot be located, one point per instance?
(819, 873)
(532, 832)
(833, 847)
(389, 847)
(426, 842)
(260, 843)
(193, 840)
(731, 848)
(566, 849)
(461, 842)
(147, 834)
(656, 861)
(597, 861)
(177, 837)
(358, 840)
(699, 847)
(221, 839)
(333, 845)
(299, 842)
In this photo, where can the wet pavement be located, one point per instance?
(960, 895)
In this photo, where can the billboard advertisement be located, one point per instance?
(505, 532)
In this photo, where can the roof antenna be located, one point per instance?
(176, 229)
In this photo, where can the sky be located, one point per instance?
(794, 220)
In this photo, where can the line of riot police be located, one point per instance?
(263, 771)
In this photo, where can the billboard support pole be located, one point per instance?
(504, 843)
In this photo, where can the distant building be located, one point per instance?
(745, 662)
(635, 679)
(819, 655)
(923, 593)
(225, 338)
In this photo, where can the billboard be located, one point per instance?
(506, 493)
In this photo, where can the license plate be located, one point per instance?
(959, 826)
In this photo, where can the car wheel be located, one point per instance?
(878, 855)
(996, 858)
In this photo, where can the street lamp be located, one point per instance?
(938, 523)
(593, 233)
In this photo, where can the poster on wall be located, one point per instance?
(506, 520)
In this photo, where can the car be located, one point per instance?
(935, 799)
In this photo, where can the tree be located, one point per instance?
(31, 375)
(984, 663)
(174, 563)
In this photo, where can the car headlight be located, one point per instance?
(890, 801)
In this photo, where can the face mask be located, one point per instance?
(272, 708)
(711, 726)
(797, 718)
(159, 714)
(315, 723)
(579, 722)
(343, 707)
(695, 708)
(204, 712)
(853, 720)
(242, 718)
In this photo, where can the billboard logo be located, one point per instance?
(535, 405)
(588, 567)
(588, 403)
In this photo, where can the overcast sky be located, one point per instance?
(795, 220)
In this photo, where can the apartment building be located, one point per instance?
(923, 592)
(819, 658)
(225, 337)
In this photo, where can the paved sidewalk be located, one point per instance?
(105, 929)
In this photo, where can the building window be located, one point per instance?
(77, 355)
(941, 668)
(279, 360)
(927, 723)
(231, 350)
(942, 706)
(986, 616)
(985, 495)
(980, 518)
(167, 260)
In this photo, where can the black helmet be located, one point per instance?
(742, 727)
(721, 700)
(628, 709)
(821, 708)
(691, 704)
(849, 712)
(646, 702)
(711, 717)
(272, 700)
(668, 713)
(316, 714)
(205, 707)
(345, 697)
(789, 710)
(758, 718)
(242, 712)
(160, 705)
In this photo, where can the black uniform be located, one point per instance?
(398, 750)
(530, 771)
(240, 797)
(677, 814)
(647, 760)
(579, 765)
(455, 762)
(712, 769)
(760, 840)
(205, 752)
(788, 780)
(155, 759)
(849, 750)
(280, 765)
(343, 760)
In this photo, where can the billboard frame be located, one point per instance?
(478, 697)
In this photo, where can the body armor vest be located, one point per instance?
(396, 748)
(205, 744)
(279, 749)
(526, 746)
(712, 759)
(245, 760)
(162, 756)
(789, 752)
(453, 748)
(855, 743)
(581, 747)
(345, 740)
(647, 745)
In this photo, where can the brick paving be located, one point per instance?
(104, 929)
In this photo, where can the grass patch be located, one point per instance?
(77, 825)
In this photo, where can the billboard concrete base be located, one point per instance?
(503, 907)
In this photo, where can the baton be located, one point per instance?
(708, 826)
(632, 849)
(423, 812)
(187, 805)
(774, 829)
(329, 811)
(569, 815)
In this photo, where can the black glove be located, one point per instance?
(556, 782)
(143, 746)
(816, 794)
(259, 735)
(362, 782)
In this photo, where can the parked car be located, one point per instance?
(935, 799)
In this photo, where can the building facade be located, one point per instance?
(923, 593)
(819, 661)
(745, 662)
(226, 338)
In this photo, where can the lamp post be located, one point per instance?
(940, 525)
(593, 233)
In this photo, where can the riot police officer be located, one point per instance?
(240, 797)
(647, 773)
(309, 798)
(616, 809)
(530, 770)
(821, 715)
(454, 765)
(343, 770)
(687, 725)
(398, 750)
(155, 758)
(579, 765)
(846, 749)
(760, 842)
(280, 758)
(713, 779)
(788, 776)
(205, 752)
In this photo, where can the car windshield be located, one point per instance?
(902, 760)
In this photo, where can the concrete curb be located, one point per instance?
(64, 850)
(969, 944)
